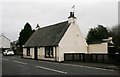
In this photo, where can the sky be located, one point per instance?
(15, 13)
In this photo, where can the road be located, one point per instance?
(15, 65)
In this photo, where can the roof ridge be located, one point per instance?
(5, 37)
(53, 24)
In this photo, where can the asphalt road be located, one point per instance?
(15, 65)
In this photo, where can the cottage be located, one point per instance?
(52, 42)
(4, 42)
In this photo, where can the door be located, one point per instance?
(55, 53)
(35, 53)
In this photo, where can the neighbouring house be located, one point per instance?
(52, 42)
(4, 42)
(99, 51)
(101, 47)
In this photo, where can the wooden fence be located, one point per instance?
(97, 58)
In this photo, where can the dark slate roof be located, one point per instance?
(48, 36)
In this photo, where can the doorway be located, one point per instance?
(35, 53)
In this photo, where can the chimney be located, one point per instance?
(72, 15)
(71, 18)
(37, 27)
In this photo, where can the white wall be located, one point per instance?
(31, 53)
(72, 42)
(98, 48)
(4, 42)
(41, 54)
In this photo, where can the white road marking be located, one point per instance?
(52, 69)
(5, 59)
(19, 62)
(99, 68)
(72, 65)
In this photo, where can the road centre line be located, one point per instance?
(19, 62)
(52, 69)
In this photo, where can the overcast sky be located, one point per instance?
(14, 14)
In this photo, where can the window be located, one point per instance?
(28, 51)
(49, 52)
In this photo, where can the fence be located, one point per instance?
(97, 58)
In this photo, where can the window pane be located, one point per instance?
(49, 52)
(46, 51)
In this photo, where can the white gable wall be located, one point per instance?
(72, 42)
(4, 42)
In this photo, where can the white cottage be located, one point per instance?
(4, 42)
(52, 42)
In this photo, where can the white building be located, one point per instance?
(101, 47)
(4, 42)
(52, 42)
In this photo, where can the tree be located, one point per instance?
(97, 34)
(25, 34)
(115, 33)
